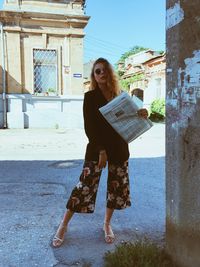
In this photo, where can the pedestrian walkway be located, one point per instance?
(67, 144)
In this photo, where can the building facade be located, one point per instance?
(155, 79)
(144, 73)
(41, 61)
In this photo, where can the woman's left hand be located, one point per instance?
(143, 112)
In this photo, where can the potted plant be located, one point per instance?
(51, 91)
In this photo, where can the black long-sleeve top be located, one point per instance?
(100, 133)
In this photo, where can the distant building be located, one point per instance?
(140, 57)
(145, 73)
(155, 79)
(42, 48)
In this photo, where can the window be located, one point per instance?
(45, 71)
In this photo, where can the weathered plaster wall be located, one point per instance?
(13, 67)
(183, 131)
(53, 6)
(25, 31)
(19, 45)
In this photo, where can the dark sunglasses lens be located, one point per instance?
(97, 71)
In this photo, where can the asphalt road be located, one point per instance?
(39, 168)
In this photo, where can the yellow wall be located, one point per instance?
(24, 33)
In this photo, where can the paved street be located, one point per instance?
(38, 171)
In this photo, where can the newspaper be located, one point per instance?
(121, 113)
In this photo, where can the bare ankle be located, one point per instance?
(63, 225)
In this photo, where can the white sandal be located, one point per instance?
(57, 241)
(109, 238)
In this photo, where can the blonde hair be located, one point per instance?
(112, 80)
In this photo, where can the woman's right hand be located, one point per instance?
(102, 159)
(143, 113)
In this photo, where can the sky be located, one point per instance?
(116, 26)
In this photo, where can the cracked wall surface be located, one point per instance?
(183, 131)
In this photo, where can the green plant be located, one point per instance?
(125, 83)
(120, 73)
(161, 52)
(51, 90)
(56, 126)
(157, 110)
(138, 254)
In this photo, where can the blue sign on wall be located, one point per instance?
(77, 75)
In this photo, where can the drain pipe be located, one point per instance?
(3, 77)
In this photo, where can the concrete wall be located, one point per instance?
(183, 131)
(26, 111)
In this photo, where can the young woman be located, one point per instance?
(104, 146)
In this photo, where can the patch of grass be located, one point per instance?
(138, 254)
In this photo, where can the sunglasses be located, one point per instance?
(98, 71)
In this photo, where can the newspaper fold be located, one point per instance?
(121, 114)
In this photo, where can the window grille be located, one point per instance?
(45, 71)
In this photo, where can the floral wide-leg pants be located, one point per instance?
(83, 196)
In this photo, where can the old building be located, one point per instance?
(154, 79)
(41, 61)
(87, 68)
(144, 75)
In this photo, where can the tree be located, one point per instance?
(134, 50)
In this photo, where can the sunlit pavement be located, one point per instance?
(39, 168)
(65, 144)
